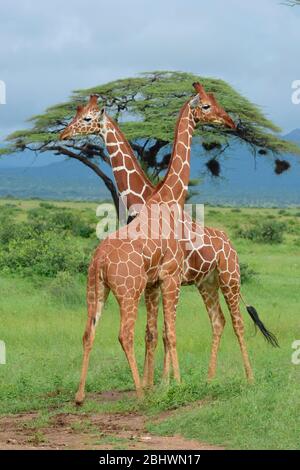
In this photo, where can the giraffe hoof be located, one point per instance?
(148, 385)
(140, 393)
(166, 381)
(79, 399)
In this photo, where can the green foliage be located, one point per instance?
(45, 244)
(247, 273)
(264, 232)
(146, 108)
(42, 327)
(46, 205)
(65, 288)
(43, 254)
(61, 220)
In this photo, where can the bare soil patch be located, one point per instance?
(102, 431)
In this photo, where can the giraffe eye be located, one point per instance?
(87, 119)
(206, 107)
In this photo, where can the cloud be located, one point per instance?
(49, 49)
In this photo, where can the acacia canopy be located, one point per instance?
(146, 108)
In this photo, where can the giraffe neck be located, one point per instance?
(173, 188)
(133, 185)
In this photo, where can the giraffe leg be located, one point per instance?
(126, 337)
(151, 299)
(167, 358)
(170, 287)
(88, 338)
(232, 296)
(210, 295)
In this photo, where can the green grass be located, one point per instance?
(42, 332)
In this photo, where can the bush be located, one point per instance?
(59, 220)
(7, 231)
(64, 220)
(264, 232)
(66, 288)
(82, 230)
(46, 205)
(247, 273)
(43, 254)
(282, 212)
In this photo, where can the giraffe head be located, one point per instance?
(206, 109)
(89, 119)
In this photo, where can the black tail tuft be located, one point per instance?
(270, 337)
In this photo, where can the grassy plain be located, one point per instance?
(42, 322)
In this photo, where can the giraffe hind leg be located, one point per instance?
(151, 300)
(129, 310)
(231, 294)
(94, 313)
(170, 288)
(210, 294)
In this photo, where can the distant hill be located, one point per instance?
(293, 136)
(66, 179)
(243, 181)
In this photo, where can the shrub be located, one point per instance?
(66, 288)
(43, 254)
(83, 230)
(46, 205)
(247, 273)
(7, 231)
(64, 220)
(264, 232)
(282, 212)
(59, 220)
(37, 213)
(297, 242)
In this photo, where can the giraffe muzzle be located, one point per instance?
(64, 135)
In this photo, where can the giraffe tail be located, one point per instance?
(97, 292)
(270, 337)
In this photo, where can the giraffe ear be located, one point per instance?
(200, 90)
(79, 109)
(93, 100)
(195, 101)
(212, 98)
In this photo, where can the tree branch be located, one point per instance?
(107, 181)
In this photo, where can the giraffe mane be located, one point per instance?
(160, 184)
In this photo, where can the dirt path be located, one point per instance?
(102, 431)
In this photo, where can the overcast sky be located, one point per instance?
(47, 49)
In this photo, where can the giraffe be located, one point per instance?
(209, 267)
(127, 261)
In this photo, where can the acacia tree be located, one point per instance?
(146, 108)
